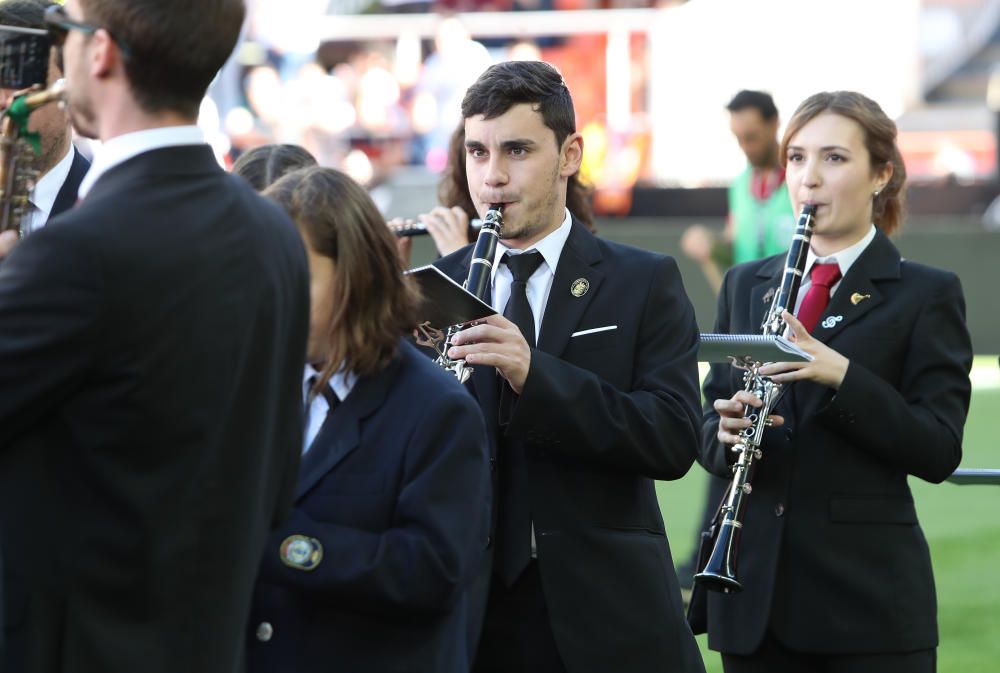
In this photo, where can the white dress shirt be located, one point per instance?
(121, 148)
(43, 196)
(341, 383)
(540, 283)
(844, 259)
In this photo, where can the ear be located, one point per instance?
(571, 156)
(105, 55)
(883, 176)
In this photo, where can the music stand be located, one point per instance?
(965, 477)
(444, 303)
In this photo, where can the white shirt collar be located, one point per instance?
(121, 148)
(43, 196)
(844, 258)
(551, 247)
(341, 382)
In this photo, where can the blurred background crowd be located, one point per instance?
(373, 87)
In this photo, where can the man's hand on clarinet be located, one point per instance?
(495, 342)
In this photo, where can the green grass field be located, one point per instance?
(962, 524)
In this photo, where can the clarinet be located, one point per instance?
(477, 283)
(411, 228)
(719, 573)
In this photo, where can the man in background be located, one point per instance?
(150, 366)
(761, 220)
(60, 165)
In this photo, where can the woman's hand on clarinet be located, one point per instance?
(449, 227)
(827, 368)
(732, 419)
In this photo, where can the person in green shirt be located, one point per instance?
(761, 220)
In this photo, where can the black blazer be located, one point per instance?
(150, 358)
(831, 552)
(602, 415)
(65, 199)
(395, 487)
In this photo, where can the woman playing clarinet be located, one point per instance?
(835, 570)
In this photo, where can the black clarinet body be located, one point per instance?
(477, 283)
(719, 571)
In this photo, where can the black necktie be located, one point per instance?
(327, 393)
(518, 310)
(514, 509)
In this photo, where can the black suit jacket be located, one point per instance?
(832, 555)
(150, 359)
(602, 415)
(395, 487)
(65, 199)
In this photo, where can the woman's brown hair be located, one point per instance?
(374, 304)
(880, 140)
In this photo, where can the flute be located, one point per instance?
(415, 228)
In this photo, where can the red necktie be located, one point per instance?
(821, 279)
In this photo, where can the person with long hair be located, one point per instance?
(390, 520)
(835, 570)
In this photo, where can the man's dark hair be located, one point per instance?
(175, 48)
(23, 13)
(511, 83)
(758, 100)
(504, 85)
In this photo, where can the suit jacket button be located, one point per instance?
(489, 541)
(779, 509)
(493, 464)
(264, 631)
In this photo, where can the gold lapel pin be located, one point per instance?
(579, 287)
(857, 298)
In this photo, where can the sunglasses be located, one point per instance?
(59, 24)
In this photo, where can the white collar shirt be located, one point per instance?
(315, 413)
(121, 148)
(43, 196)
(540, 283)
(844, 259)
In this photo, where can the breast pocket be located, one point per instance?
(593, 339)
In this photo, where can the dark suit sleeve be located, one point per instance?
(650, 429)
(50, 304)
(918, 427)
(423, 562)
(718, 385)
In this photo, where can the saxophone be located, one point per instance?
(719, 572)
(18, 147)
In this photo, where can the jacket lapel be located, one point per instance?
(341, 431)
(564, 308)
(858, 292)
(762, 294)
